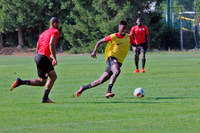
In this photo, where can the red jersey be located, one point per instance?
(44, 39)
(139, 34)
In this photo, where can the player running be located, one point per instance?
(45, 64)
(116, 50)
(141, 37)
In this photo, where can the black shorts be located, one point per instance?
(44, 65)
(140, 48)
(111, 61)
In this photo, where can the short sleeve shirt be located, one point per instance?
(44, 39)
(139, 34)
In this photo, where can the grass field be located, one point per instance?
(171, 103)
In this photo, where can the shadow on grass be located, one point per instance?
(168, 98)
(116, 102)
(119, 100)
(162, 98)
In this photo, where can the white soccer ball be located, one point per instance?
(139, 92)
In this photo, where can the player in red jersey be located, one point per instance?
(45, 64)
(141, 35)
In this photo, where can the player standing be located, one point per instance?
(116, 50)
(141, 36)
(45, 64)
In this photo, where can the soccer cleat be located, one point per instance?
(109, 94)
(136, 71)
(142, 70)
(79, 92)
(48, 101)
(15, 84)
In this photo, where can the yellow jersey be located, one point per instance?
(117, 46)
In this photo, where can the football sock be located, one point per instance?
(24, 82)
(109, 88)
(85, 87)
(136, 62)
(143, 62)
(46, 95)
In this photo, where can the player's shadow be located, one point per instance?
(121, 100)
(162, 98)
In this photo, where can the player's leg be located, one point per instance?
(115, 68)
(50, 82)
(104, 77)
(33, 82)
(143, 55)
(136, 58)
(38, 82)
(41, 63)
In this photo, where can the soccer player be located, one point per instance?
(45, 64)
(141, 37)
(116, 50)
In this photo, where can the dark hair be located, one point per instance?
(123, 23)
(141, 19)
(54, 20)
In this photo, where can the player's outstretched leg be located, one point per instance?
(19, 82)
(104, 77)
(79, 92)
(32, 82)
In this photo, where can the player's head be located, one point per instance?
(139, 21)
(54, 22)
(122, 27)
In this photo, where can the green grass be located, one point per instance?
(171, 103)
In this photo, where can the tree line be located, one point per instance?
(83, 22)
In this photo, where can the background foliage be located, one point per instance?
(84, 22)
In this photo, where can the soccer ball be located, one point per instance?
(139, 92)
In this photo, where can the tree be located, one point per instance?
(17, 15)
(90, 20)
(187, 4)
(83, 22)
(197, 7)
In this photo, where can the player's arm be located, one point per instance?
(147, 36)
(131, 33)
(37, 47)
(53, 49)
(101, 41)
(148, 41)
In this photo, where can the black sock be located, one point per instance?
(46, 95)
(85, 87)
(143, 62)
(109, 88)
(26, 82)
(23, 82)
(136, 62)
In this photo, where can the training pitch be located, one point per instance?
(171, 103)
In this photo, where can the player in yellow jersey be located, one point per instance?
(116, 50)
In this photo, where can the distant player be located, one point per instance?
(141, 36)
(116, 50)
(45, 64)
